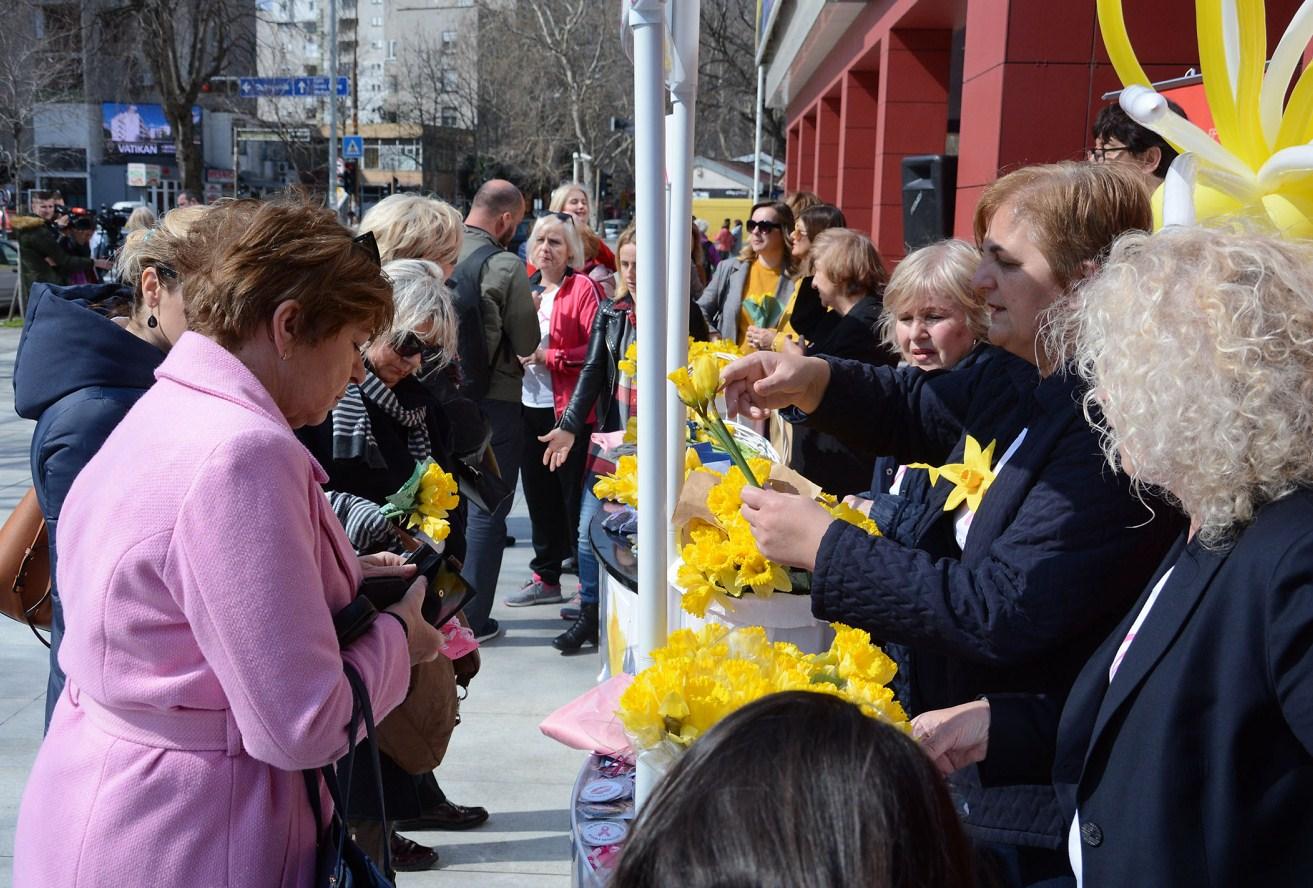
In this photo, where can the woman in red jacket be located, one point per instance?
(567, 302)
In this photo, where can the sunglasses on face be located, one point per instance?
(763, 226)
(165, 272)
(408, 345)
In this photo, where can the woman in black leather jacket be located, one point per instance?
(604, 384)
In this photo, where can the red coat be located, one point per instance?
(573, 310)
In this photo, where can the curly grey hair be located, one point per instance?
(421, 296)
(1198, 346)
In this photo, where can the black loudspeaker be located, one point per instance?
(929, 186)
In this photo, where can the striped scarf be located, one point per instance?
(353, 437)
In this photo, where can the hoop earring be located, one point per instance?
(151, 322)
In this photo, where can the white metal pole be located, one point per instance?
(756, 156)
(679, 166)
(647, 19)
(330, 184)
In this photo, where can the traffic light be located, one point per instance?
(349, 177)
(603, 183)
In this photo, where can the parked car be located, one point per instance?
(611, 229)
(8, 270)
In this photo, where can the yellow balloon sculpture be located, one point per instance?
(1261, 166)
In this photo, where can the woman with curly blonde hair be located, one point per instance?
(1191, 727)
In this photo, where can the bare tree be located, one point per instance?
(727, 93)
(186, 43)
(38, 50)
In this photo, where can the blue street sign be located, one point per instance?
(304, 87)
(353, 147)
(251, 87)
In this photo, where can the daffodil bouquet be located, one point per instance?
(425, 501)
(698, 385)
(621, 485)
(721, 560)
(701, 676)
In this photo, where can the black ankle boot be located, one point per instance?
(581, 632)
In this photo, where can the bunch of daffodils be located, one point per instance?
(701, 676)
(621, 485)
(722, 561)
(436, 497)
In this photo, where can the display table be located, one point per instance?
(601, 812)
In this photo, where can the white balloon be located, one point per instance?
(1178, 191)
(1147, 108)
(1287, 57)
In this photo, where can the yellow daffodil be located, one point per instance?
(971, 477)
(437, 495)
(701, 676)
(629, 363)
(621, 485)
(845, 512)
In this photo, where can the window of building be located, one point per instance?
(376, 21)
(448, 39)
(376, 44)
(311, 49)
(449, 116)
(392, 49)
(449, 79)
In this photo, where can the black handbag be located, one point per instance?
(480, 480)
(340, 861)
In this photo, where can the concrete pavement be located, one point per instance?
(497, 756)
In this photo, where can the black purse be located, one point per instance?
(480, 480)
(340, 861)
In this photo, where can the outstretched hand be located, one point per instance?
(766, 380)
(954, 737)
(559, 443)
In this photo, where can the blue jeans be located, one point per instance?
(485, 533)
(588, 571)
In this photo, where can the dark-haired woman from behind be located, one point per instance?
(864, 807)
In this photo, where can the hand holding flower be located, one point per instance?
(788, 527)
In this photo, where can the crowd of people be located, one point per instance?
(1085, 447)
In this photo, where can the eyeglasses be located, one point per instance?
(1103, 155)
(564, 217)
(367, 243)
(408, 345)
(763, 226)
(166, 272)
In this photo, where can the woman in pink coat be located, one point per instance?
(201, 566)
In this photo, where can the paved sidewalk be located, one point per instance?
(497, 756)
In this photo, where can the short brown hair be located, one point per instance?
(850, 260)
(1076, 210)
(244, 258)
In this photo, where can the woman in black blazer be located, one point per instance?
(1183, 753)
(848, 280)
(1015, 595)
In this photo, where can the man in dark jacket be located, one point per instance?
(41, 259)
(77, 373)
(510, 327)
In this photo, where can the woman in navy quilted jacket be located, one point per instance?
(1031, 550)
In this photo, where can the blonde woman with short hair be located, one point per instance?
(567, 302)
(933, 316)
(411, 226)
(141, 218)
(1191, 727)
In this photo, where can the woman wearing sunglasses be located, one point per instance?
(370, 445)
(753, 290)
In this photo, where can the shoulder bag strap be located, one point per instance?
(362, 700)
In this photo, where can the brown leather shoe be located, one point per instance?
(448, 817)
(411, 857)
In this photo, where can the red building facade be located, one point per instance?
(999, 83)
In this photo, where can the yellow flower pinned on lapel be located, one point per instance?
(972, 476)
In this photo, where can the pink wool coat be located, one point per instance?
(200, 566)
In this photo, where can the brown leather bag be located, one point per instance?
(415, 734)
(25, 565)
